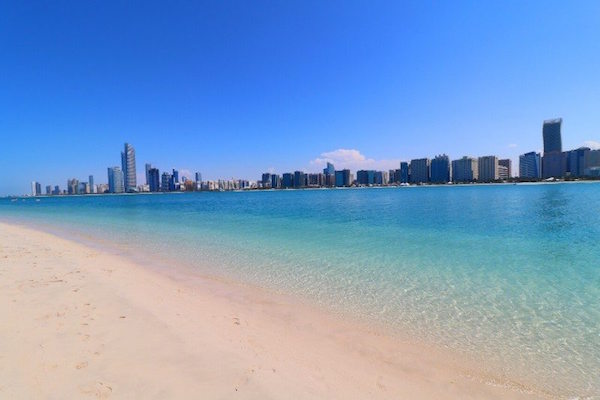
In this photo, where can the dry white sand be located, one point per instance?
(77, 322)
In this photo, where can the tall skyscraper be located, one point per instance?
(198, 176)
(116, 182)
(128, 168)
(530, 166)
(48, 190)
(552, 135)
(275, 181)
(440, 169)
(165, 182)
(148, 167)
(73, 186)
(287, 181)
(506, 162)
(419, 170)
(404, 175)
(154, 179)
(554, 161)
(488, 168)
(266, 180)
(36, 188)
(329, 170)
(465, 169)
(91, 182)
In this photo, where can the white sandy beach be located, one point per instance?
(77, 322)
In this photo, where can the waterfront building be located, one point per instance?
(36, 188)
(554, 161)
(365, 177)
(419, 170)
(343, 178)
(299, 179)
(591, 160)
(440, 169)
(316, 180)
(153, 180)
(128, 168)
(116, 182)
(287, 181)
(102, 188)
(488, 168)
(147, 168)
(551, 133)
(380, 177)
(404, 172)
(56, 190)
(506, 162)
(554, 165)
(48, 190)
(530, 166)
(165, 182)
(503, 172)
(576, 162)
(329, 170)
(91, 182)
(266, 180)
(275, 181)
(73, 186)
(465, 169)
(198, 177)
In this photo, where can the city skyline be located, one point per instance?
(553, 163)
(226, 89)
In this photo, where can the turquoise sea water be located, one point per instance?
(508, 275)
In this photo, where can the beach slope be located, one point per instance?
(80, 322)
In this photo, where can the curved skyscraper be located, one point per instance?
(128, 167)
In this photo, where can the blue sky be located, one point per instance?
(235, 88)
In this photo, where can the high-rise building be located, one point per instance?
(275, 181)
(343, 178)
(73, 186)
(329, 170)
(592, 162)
(56, 190)
(554, 164)
(506, 162)
(148, 167)
(153, 179)
(552, 135)
(287, 181)
(91, 182)
(266, 180)
(488, 168)
(554, 161)
(576, 161)
(116, 182)
(128, 168)
(502, 172)
(404, 174)
(48, 190)
(165, 182)
(419, 170)
(36, 188)
(530, 165)
(198, 177)
(465, 169)
(299, 179)
(440, 169)
(365, 177)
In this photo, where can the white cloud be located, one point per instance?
(352, 159)
(592, 144)
(185, 172)
(513, 145)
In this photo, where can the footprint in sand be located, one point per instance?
(82, 365)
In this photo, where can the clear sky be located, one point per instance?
(235, 88)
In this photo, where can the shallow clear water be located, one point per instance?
(509, 275)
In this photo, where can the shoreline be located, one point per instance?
(215, 336)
